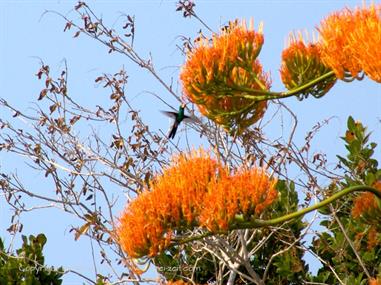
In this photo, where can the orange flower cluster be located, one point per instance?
(350, 42)
(187, 194)
(247, 192)
(374, 281)
(366, 41)
(372, 238)
(367, 206)
(145, 225)
(301, 63)
(177, 282)
(364, 203)
(219, 70)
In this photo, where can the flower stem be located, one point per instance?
(260, 95)
(257, 223)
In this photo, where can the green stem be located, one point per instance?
(260, 95)
(257, 223)
(309, 84)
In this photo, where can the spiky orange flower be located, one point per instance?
(368, 207)
(301, 63)
(350, 42)
(365, 41)
(219, 70)
(335, 31)
(247, 192)
(147, 222)
(195, 190)
(364, 203)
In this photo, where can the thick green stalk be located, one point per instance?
(260, 95)
(257, 223)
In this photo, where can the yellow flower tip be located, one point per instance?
(251, 26)
(244, 25)
(300, 37)
(261, 27)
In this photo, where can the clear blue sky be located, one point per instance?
(26, 36)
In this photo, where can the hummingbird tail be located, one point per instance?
(173, 131)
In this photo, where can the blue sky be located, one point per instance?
(26, 36)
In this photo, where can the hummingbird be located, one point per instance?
(177, 117)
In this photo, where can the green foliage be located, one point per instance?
(358, 162)
(338, 247)
(288, 267)
(27, 266)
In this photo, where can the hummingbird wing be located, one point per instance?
(188, 119)
(172, 115)
(174, 125)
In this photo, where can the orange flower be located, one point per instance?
(177, 282)
(194, 191)
(350, 42)
(335, 32)
(147, 222)
(218, 71)
(301, 63)
(365, 41)
(374, 281)
(372, 238)
(246, 192)
(367, 206)
(364, 203)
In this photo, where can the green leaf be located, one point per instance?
(41, 239)
(370, 178)
(351, 124)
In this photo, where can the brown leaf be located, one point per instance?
(42, 121)
(43, 94)
(100, 78)
(68, 26)
(81, 231)
(37, 149)
(47, 82)
(79, 5)
(74, 119)
(52, 108)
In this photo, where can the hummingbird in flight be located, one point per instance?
(177, 117)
